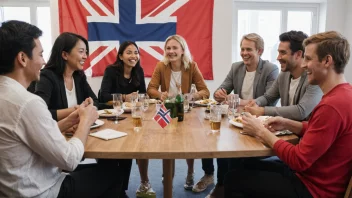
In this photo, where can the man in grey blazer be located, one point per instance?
(249, 78)
(298, 98)
(239, 78)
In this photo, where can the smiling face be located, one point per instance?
(130, 56)
(285, 57)
(316, 70)
(34, 64)
(249, 53)
(76, 58)
(173, 50)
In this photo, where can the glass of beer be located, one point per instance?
(137, 117)
(215, 118)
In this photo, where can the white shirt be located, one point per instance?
(32, 149)
(175, 78)
(293, 87)
(247, 86)
(71, 96)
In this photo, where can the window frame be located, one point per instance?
(275, 6)
(33, 4)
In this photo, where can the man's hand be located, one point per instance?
(254, 127)
(255, 110)
(275, 124)
(251, 125)
(220, 95)
(88, 114)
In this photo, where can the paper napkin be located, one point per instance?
(108, 134)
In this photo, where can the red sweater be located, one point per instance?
(323, 157)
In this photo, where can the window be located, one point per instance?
(34, 12)
(269, 20)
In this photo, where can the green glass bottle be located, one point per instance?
(170, 104)
(179, 105)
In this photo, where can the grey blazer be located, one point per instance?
(305, 99)
(265, 76)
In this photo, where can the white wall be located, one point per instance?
(338, 17)
(348, 33)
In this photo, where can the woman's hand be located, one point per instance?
(131, 96)
(163, 95)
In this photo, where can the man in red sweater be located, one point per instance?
(321, 164)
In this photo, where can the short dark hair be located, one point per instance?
(65, 42)
(16, 36)
(119, 64)
(331, 43)
(295, 38)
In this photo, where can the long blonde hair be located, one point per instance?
(186, 57)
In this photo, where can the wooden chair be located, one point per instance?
(348, 193)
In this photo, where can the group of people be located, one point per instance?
(37, 161)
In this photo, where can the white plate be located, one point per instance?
(237, 124)
(103, 114)
(97, 123)
(200, 103)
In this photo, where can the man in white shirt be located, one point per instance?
(32, 149)
(298, 98)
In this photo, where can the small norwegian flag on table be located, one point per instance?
(162, 117)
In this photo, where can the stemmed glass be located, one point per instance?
(117, 104)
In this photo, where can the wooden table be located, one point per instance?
(191, 139)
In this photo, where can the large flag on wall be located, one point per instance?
(107, 23)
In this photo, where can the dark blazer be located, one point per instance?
(114, 82)
(51, 87)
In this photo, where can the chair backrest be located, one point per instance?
(348, 193)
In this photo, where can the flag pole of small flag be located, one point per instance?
(162, 117)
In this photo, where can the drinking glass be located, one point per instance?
(186, 102)
(117, 104)
(230, 100)
(146, 102)
(215, 118)
(134, 97)
(236, 104)
(137, 118)
(192, 94)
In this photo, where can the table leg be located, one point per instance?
(168, 170)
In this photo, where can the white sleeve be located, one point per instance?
(40, 132)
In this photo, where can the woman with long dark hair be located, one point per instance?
(63, 84)
(125, 76)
